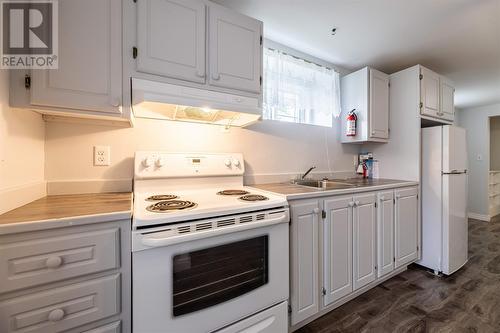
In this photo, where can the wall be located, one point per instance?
(495, 144)
(22, 135)
(272, 150)
(476, 122)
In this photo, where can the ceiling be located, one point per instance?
(457, 38)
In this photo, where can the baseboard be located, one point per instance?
(17, 196)
(57, 187)
(480, 217)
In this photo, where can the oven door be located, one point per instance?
(206, 284)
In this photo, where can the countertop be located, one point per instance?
(293, 191)
(63, 210)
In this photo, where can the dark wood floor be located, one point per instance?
(418, 301)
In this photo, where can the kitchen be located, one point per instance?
(84, 146)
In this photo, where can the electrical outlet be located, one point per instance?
(102, 155)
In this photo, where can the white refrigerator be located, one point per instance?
(444, 199)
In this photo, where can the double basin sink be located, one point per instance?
(328, 184)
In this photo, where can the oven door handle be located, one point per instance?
(151, 240)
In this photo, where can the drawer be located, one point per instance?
(38, 261)
(109, 328)
(62, 308)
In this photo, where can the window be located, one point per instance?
(299, 91)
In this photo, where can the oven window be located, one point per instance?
(211, 276)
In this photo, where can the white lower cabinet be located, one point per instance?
(385, 233)
(365, 237)
(304, 263)
(406, 221)
(337, 248)
(340, 244)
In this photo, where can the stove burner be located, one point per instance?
(232, 192)
(171, 205)
(253, 197)
(161, 197)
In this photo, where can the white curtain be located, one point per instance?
(299, 91)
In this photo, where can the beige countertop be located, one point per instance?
(64, 210)
(293, 191)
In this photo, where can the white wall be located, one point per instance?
(476, 122)
(495, 143)
(22, 135)
(269, 148)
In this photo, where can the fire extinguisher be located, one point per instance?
(352, 120)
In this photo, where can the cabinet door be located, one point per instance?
(429, 93)
(90, 59)
(385, 231)
(364, 238)
(171, 38)
(304, 260)
(337, 252)
(379, 105)
(406, 221)
(447, 99)
(235, 50)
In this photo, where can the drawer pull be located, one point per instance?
(56, 315)
(53, 262)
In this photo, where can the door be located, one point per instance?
(235, 50)
(304, 292)
(406, 221)
(379, 105)
(364, 238)
(171, 38)
(454, 149)
(455, 226)
(385, 231)
(429, 93)
(337, 248)
(447, 91)
(90, 53)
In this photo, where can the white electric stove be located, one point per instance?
(209, 254)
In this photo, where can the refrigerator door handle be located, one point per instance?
(455, 172)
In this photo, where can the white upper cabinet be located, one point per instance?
(436, 96)
(171, 38)
(337, 256)
(366, 91)
(407, 222)
(429, 92)
(89, 76)
(365, 237)
(447, 97)
(235, 45)
(304, 259)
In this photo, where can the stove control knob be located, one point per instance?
(227, 163)
(159, 162)
(147, 162)
(236, 162)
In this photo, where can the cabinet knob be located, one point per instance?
(56, 315)
(382, 198)
(53, 262)
(200, 74)
(216, 76)
(351, 204)
(316, 210)
(398, 196)
(356, 203)
(373, 132)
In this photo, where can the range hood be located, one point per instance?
(157, 100)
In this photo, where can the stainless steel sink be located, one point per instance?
(323, 184)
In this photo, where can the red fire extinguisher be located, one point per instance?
(352, 120)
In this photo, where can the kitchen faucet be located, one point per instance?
(307, 172)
